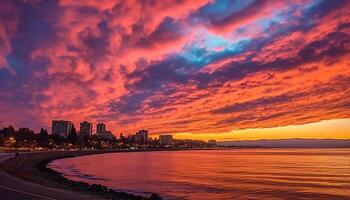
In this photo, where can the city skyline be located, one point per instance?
(224, 70)
(318, 130)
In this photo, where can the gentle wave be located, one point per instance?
(219, 174)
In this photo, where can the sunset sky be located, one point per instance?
(224, 69)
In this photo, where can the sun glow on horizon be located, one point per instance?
(328, 129)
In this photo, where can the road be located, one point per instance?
(12, 188)
(9, 193)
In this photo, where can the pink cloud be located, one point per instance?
(8, 29)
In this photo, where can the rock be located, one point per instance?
(96, 188)
(155, 196)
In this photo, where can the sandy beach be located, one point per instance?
(32, 168)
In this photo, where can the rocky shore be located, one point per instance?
(33, 167)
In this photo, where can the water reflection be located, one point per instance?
(226, 174)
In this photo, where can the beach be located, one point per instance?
(28, 174)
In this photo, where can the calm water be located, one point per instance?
(220, 174)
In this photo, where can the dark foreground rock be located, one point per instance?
(155, 196)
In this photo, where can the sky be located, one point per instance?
(221, 69)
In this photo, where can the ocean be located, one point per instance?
(218, 174)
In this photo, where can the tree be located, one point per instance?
(57, 139)
(25, 135)
(43, 136)
(72, 136)
(85, 141)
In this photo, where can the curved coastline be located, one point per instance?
(33, 167)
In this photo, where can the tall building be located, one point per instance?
(142, 136)
(61, 127)
(100, 128)
(86, 128)
(166, 139)
(102, 132)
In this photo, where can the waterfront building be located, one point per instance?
(106, 135)
(212, 142)
(101, 132)
(141, 136)
(9, 142)
(25, 130)
(2, 140)
(86, 129)
(61, 127)
(100, 128)
(166, 139)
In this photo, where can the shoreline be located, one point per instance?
(33, 168)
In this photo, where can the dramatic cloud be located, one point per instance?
(174, 66)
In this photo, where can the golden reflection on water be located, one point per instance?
(220, 174)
